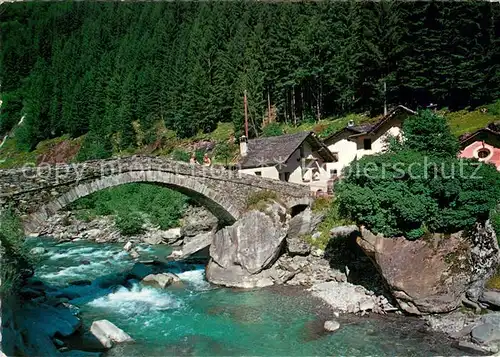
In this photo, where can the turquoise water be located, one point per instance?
(198, 319)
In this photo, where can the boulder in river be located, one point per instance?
(432, 275)
(161, 280)
(242, 254)
(127, 247)
(193, 245)
(331, 325)
(107, 333)
(38, 251)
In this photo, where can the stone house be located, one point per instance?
(483, 145)
(355, 141)
(297, 158)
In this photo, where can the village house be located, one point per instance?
(297, 158)
(483, 145)
(355, 141)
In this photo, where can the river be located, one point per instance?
(199, 319)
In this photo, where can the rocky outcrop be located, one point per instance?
(108, 334)
(433, 274)
(305, 270)
(304, 223)
(242, 254)
(197, 243)
(65, 226)
(350, 298)
(197, 220)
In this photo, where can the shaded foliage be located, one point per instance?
(98, 67)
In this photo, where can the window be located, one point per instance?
(483, 153)
(367, 144)
(258, 173)
(333, 173)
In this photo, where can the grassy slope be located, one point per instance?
(461, 122)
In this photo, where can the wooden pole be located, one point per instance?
(246, 113)
(385, 98)
(268, 106)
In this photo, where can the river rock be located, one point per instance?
(107, 333)
(304, 223)
(350, 298)
(127, 247)
(172, 235)
(432, 275)
(38, 251)
(485, 333)
(305, 270)
(161, 280)
(491, 297)
(242, 254)
(297, 246)
(331, 325)
(197, 243)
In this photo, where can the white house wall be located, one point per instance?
(268, 172)
(346, 151)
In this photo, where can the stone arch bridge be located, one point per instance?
(36, 193)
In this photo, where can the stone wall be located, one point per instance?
(36, 193)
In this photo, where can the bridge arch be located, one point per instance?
(220, 206)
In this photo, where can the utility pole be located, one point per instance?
(268, 106)
(385, 98)
(246, 112)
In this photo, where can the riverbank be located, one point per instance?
(201, 319)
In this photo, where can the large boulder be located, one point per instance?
(242, 254)
(433, 274)
(197, 220)
(297, 246)
(304, 223)
(107, 333)
(197, 243)
(161, 280)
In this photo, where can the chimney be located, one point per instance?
(243, 146)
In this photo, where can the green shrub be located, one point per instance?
(95, 147)
(495, 222)
(129, 224)
(494, 108)
(272, 129)
(162, 206)
(257, 199)
(429, 133)
(224, 152)
(15, 258)
(407, 192)
(332, 218)
(180, 155)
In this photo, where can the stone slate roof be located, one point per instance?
(487, 135)
(275, 149)
(371, 128)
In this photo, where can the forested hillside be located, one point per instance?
(110, 69)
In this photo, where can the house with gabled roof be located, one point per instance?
(483, 145)
(355, 141)
(297, 158)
